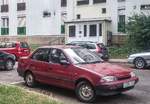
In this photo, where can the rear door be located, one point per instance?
(39, 64)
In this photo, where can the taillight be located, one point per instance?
(98, 50)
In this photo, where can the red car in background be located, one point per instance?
(75, 68)
(19, 49)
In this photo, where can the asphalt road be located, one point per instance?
(139, 95)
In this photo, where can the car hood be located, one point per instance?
(140, 54)
(105, 69)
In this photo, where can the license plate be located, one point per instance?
(128, 84)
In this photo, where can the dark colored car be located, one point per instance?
(19, 49)
(7, 60)
(99, 48)
(75, 68)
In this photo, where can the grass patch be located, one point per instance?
(16, 95)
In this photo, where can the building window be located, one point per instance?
(99, 1)
(100, 29)
(82, 2)
(4, 6)
(21, 5)
(78, 16)
(145, 7)
(121, 23)
(63, 3)
(62, 29)
(5, 26)
(93, 30)
(21, 30)
(103, 10)
(72, 31)
(85, 30)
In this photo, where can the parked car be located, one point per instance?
(75, 68)
(7, 60)
(19, 49)
(140, 60)
(99, 48)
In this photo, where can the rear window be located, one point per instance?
(24, 45)
(7, 45)
(91, 46)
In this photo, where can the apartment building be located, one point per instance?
(100, 20)
(32, 17)
(82, 20)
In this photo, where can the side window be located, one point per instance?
(41, 55)
(24, 45)
(10, 45)
(91, 46)
(56, 55)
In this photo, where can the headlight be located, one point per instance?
(132, 74)
(108, 79)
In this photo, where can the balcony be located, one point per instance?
(21, 6)
(4, 8)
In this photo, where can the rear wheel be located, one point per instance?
(140, 63)
(85, 92)
(9, 65)
(29, 79)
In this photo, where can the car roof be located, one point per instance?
(60, 46)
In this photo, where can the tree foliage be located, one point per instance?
(138, 30)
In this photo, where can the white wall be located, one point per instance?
(37, 24)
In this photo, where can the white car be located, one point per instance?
(140, 60)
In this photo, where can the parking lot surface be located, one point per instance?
(139, 95)
(10, 77)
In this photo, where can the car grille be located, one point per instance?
(124, 77)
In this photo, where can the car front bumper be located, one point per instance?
(113, 88)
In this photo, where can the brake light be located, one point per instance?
(98, 50)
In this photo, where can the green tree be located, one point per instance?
(138, 30)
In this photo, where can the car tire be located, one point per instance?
(139, 63)
(9, 65)
(29, 79)
(85, 92)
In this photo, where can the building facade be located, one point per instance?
(100, 20)
(82, 20)
(32, 17)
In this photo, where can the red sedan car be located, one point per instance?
(77, 69)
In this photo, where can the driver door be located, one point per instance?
(61, 74)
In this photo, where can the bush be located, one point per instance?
(138, 30)
(121, 52)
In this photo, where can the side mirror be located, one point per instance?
(64, 62)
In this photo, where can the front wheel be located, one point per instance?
(9, 65)
(85, 92)
(29, 79)
(140, 63)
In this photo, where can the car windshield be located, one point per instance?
(82, 56)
